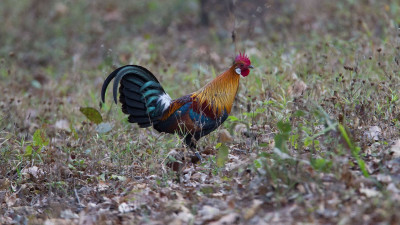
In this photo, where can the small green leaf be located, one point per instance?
(207, 190)
(264, 154)
(321, 164)
(257, 163)
(91, 114)
(299, 113)
(39, 138)
(269, 102)
(280, 141)
(28, 150)
(307, 141)
(102, 177)
(260, 110)
(222, 155)
(218, 145)
(72, 167)
(285, 127)
(232, 118)
(73, 131)
(263, 144)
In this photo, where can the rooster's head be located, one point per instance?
(242, 65)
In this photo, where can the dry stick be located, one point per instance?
(77, 197)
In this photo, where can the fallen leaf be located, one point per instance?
(369, 192)
(58, 222)
(384, 178)
(34, 171)
(199, 177)
(392, 188)
(395, 150)
(298, 87)
(180, 218)
(373, 133)
(102, 186)
(239, 130)
(68, 214)
(103, 128)
(125, 207)
(224, 136)
(11, 200)
(253, 209)
(231, 218)
(208, 212)
(92, 114)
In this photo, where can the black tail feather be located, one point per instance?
(139, 91)
(106, 83)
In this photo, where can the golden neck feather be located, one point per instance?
(219, 93)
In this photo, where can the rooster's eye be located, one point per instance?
(241, 65)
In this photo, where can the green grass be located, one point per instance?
(325, 73)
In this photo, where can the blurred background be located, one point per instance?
(59, 35)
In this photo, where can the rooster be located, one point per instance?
(191, 116)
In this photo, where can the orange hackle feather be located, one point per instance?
(219, 94)
(212, 99)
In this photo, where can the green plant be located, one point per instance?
(355, 150)
(39, 141)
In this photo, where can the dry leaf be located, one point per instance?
(239, 130)
(182, 218)
(208, 212)
(384, 178)
(253, 209)
(68, 214)
(11, 200)
(370, 192)
(125, 208)
(34, 171)
(231, 218)
(224, 136)
(395, 150)
(392, 188)
(58, 222)
(298, 87)
(373, 133)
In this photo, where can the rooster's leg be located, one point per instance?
(191, 143)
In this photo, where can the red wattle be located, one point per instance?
(245, 72)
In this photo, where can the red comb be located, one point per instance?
(243, 58)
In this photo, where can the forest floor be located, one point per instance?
(313, 138)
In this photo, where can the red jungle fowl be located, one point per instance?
(191, 116)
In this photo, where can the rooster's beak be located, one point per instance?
(251, 67)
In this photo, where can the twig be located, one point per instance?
(77, 197)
